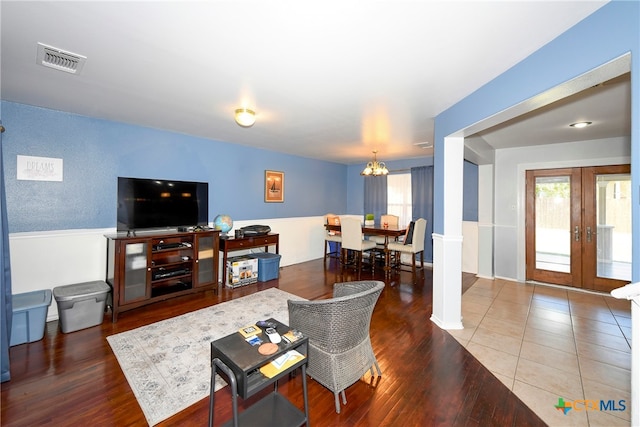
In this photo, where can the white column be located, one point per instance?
(635, 363)
(447, 247)
(632, 293)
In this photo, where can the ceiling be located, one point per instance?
(329, 80)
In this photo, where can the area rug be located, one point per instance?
(168, 363)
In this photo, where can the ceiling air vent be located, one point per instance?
(58, 59)
(425, 144)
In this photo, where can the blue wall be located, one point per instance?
(95, 152)
(605, 35)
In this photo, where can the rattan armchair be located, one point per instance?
(340, 351)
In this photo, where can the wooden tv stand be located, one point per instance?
(153, 267)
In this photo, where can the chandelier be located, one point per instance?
(375, 168)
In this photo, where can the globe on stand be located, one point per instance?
(224, 223)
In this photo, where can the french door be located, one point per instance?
(578, 226)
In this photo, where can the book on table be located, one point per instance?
(290, 336)
(250, 330)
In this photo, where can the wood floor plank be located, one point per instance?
(428, 377)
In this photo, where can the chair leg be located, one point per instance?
(413, 265)
(393, 260)
(377, 368)
(337, 399)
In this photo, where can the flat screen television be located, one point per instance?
(145, 204)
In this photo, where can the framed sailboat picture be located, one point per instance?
(273, 187)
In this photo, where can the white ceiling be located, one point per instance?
(329, 80)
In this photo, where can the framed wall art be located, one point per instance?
(273, 186)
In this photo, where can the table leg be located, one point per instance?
(304, 392)
(232, 384)
(387, 257)
(224, 267)
(212, 392)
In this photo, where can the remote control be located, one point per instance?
(273, 335)
(266, 324)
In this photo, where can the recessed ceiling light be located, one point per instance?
(580, 125)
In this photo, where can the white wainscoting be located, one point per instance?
(470, 246)
(44, 260)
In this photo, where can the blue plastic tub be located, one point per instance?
(29, 316)
(268, 266)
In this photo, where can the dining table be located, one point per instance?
(388, 231)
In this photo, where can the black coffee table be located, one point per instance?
(240, 362)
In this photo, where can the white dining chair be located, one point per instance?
(413, 245)
(353, 240)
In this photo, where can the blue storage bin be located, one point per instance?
(268, 266)
(29, 316)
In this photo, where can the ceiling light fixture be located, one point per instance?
(245, 117)
(580, 125)
(375, 168)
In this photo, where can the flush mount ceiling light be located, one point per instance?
(245, 117)
(580, 125)
(375, 168)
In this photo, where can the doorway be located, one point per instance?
(578, 226)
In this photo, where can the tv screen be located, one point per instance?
(161, 204)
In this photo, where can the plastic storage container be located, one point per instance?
(81, 305)
(268, 266)
(29, 316)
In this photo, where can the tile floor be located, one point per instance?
(546, 342)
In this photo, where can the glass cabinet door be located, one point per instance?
(204, 274)
(135, 271)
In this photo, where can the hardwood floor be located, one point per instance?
(428, 378)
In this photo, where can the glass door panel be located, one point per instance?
(135, 272)
(553, 226)
(553, 223)
(205, 261)
(613, 207)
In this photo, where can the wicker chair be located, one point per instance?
(340, 351)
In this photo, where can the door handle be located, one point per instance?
(589, 233)
(576, 233)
